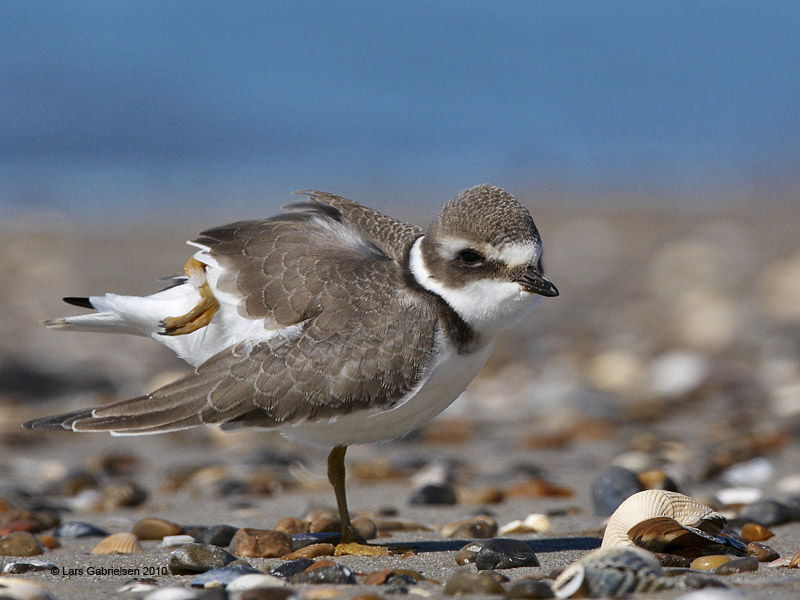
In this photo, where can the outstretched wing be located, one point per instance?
(341, 334)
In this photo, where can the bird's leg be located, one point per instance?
(336, 477)
(203, 311)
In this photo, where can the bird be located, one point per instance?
(330, 322)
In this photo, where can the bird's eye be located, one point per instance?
(470, 258)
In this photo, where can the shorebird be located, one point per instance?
(331, 322)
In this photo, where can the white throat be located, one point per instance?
(488, 305)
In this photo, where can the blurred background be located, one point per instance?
(656, 144)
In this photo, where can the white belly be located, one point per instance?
(449, 377)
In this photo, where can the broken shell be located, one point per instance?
(612, 573)
(118, 543)
(662, 521)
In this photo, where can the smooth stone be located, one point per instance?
(253, 581)
(138, 585)
(20, 543)
(325, 523)
(306, 539)
(291, 568)
(198, 558)
(223, 575)
(767, 512)
(365, 528)
(712, 561)
(505, 553)
(213, 593)
(384, 576)
(312, 551)
(122, 493)
(762, 552)
(533, 523)
(480, 527)
(328, 575)
(153, 528)
(755, 532)
(260, 543)
(738, 565)
(216, 535)
(78, 529)
(611, 487)
(48, 541)
(467, 582)
(170, 541)
(291, 526)
(23, 566)
(171, 593)
(273, 593)
(467, 554)
(531, 589)
(434, 493)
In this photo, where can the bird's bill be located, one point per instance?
(534, 282)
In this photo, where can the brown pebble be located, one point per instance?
(20, 543)
(672, 560)
(122, 493)
(655, 479)
(275, 593)
(467, 554)
(706, 563)
(311, 551)
(762, 552)
(539, 488)
(380, 577)
(756, 533)
(376, 469)
(481, 527)
(48, 541)
(389, 526)
(488, 494)
(325, 524)
(292, 526)
(467, 582)
(118, 543)
(325, 562)
(74, 483)
(20, 519)
(738, 565)
(260, 543)
(366, 528)
(153, 528)
(795, 561)
(115, 465)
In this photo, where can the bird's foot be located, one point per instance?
(203, 311)
(361, 549)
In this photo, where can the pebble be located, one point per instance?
(216, 535)
(153, 528)
(755, 532)
(531, 589)
(273, 593)
(325, 523)
(20, 543)
(477, 527)
(48, 541)
(753, 472)
(21, 519)
(762, 552)
(505, 553)
(539, 488)
(118, 543)
(676, 374)
(739, 495)
(738, 565)
(291, 568)
(467, 582)
(768, 512)
(611, 487)
(170, 541)
(122, 493)
(434, 493)
(306, 539)
(19, 589)
(467, 554)
(198, 558)
(75, 482)
(138, 585)
(328, 574)
(260, 543)
(291, 526)
(223, 575)
(488, 494)
(171, 593)
(385, 575)
(365, 528)
(255, 581)
(311, 551)
(533, 523)
(794, 562)
(23, 566)
(710, 562)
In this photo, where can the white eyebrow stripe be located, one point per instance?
(517, 253)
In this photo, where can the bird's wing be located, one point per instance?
(347, 335)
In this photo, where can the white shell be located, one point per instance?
(650, 504)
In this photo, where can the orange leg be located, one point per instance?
(203, 311)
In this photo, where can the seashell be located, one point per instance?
(118, 543)
(612, 573)
(533, 523)
(669, 522)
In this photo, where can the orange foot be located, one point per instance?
(203, 311)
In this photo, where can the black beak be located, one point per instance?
(533, 281)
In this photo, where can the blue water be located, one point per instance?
(137, 109)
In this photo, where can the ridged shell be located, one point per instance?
(612, 573)
(118, 543)
(651, 504)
